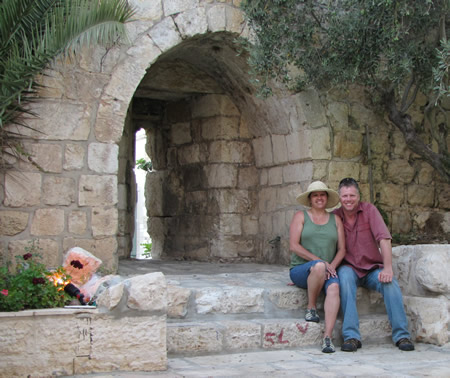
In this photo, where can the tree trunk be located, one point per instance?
(440, 162)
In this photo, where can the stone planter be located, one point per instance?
(68, 341)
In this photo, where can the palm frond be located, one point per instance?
(34, 32)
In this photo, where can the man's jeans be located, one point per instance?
(349, 281)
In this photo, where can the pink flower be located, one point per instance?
(4, 292)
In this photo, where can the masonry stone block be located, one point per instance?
(51, 115)
(286, 196)
(189, 154)
(347, 144)
(147, 292)
(444, 196)
(235, 20)
(247, 177)
(192, 22)
(47, 221)
(177, 6)
(230, 224)
(309, 103)
(429, 318)
(420, 195)
(290, 298)
(188, 337)
(241, 335)
(42, 157)
(432, 271)
(263, 151)
(338, 170)
(216, 18)
(103, 157)
(233, 201)
(111, 297)
(96, 190)
(109, 123)
(177, 300)
(13, 222)
(104, 221)
(77, 222)
(214, 105)
(58, 190)
(337, 113)
(280, 155)
(48, 248)
(147, 9)
(107, 352)
(229, 301)
(267, 200)
(401, 222)
(298, 146)
(22, 189)
(165, 34)
(298, 172)
(289, 333)
(220, 128)
(399, 171)
(232, 247)
(73, 157)
(250, 225)
(230, 152)
(180, 133)
(275, 175)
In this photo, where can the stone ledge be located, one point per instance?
(201, 338)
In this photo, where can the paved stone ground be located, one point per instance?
(370, 361)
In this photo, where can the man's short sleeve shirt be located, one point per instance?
(362, 238)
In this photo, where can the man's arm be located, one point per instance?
(386, 273)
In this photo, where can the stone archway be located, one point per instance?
(83, 194)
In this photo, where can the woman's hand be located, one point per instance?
(331, 271)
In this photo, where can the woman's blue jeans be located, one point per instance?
(393, 300)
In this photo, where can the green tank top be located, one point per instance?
(318, 239)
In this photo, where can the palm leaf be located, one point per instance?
(34, 32)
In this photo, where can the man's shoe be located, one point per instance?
(405, 344)
(327, 345)
(351, 345)
(311, 315)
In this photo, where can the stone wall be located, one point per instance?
(228, 165)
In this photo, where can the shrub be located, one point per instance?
(30, 285)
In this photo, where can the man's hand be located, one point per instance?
(386, 275)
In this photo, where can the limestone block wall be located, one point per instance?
(228, 165)
(201, 196)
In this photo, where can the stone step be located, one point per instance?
(240, 296)
(216, 337)
(231, 312)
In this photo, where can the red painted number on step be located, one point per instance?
(301, 328)
(270, 335)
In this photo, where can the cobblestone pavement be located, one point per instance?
(369, 361)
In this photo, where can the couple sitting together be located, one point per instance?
(339, 251)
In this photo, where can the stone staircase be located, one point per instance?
(215, 312)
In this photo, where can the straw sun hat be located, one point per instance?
(318, 186)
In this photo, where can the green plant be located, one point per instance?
(397, 50)
(32, 34)
(144, 164)
(30, 285)
(147, 249)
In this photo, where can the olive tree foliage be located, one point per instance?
(32, 34)
(394, 48)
